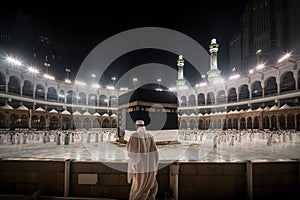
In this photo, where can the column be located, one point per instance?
(21, 89)
(296, 80)
(33, 91)
(61, 122)
(46, 94)
(47, 123)
(285, 121)
(261, 122)
(295, 119)
(278, 87)
(6, 84)
(29, 120)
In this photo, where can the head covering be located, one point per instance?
(140, 122)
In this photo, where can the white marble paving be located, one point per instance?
(192, 150)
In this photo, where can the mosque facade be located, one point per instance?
(266, 98)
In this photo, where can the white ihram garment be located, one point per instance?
(142, 165)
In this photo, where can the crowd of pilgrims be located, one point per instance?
(232, 137)
(59, 137)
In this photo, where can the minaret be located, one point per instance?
(180, 64)
(214, 72)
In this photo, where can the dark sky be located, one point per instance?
(82, 26)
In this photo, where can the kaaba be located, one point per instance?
(158, 108)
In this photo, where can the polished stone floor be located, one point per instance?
(181, 150)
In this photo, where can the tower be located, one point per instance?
(214, 72)
(180, 63)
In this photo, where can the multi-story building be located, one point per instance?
(269, 28)
(38, 49)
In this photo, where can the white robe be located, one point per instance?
(142, 165)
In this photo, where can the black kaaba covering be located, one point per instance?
(138, 104)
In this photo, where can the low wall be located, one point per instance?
(191, 180)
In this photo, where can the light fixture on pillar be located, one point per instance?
(159, 81)
(47, 65)
(134, 82)
(258, 52)
(113, 79)
(94, 77)
(67, 80)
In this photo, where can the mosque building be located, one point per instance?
(266, 98)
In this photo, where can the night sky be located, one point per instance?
(81, 27)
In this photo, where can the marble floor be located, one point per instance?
(181, 150)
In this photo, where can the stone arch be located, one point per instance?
(192, 124)
(66, 123)
(210, 98)
(243, 123)
(53, 123)
(103, 100)
(42, 123)
(61, 96)
(24, 121)
(82, 98)
(192, 100)
(266, 122)
(256, 123)
(77, 123)
(256, 89)
(232, 96)
(183, 101)
(200, 124)
(290, 121)
(273, 122)
(40, 92)
(105, 123)
(201, 99)
(51, 94)
(14, 85)
(71, 97)
(235, 123)
(281, 121)
(244, 92)
(270, 86)
(92, 99)
(249, 123)
(113, 101)
(96, 123)
(27, 89)
(287, 82)
(86, 123)
(183, 124)
(229, 123)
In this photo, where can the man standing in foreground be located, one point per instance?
(142, 164)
